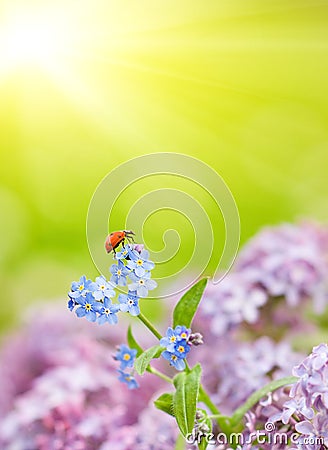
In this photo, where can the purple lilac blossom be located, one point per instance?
(236, 299)
(154, 430)
(307, 407)
(291, 261)
(284, 262)
(233, 370)
(60, 386)
(75, 398)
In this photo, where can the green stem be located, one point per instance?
(256, 397)
(204, 397)
(158, 335)
(215, 416)
(150, 326)
(208, 402)
(159, 374)
(221, 420)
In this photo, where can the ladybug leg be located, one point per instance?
(123, 244)
(130, 238)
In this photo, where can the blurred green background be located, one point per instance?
(87, 85)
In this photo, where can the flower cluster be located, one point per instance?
(236, 369)
(308, 405)
(240, 368)
(136, 266)
(93, 300)
(226, 306)
(177, 346)
(285, 263)
(291, 261)
(60, 389)
(126, 356)
(70, 396)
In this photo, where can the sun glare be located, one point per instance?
(30, 40)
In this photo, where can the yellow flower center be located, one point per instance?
(126, 357)
(174, 357)
(173, 339)
(81, 287)
(139, 262)
(102, 287)
(181, 349)
(88, 306)
(183, 335)
(141, 282)
(119, 272)
(107, 311)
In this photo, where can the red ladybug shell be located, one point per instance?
(113, 240)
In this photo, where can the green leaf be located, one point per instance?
(186, 397)
(256, 397)
(142, 362)
(180, 443)
(132, 342)
(165, 403)
(187, 306)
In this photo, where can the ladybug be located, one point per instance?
(116, 238)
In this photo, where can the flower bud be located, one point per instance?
(195, 339)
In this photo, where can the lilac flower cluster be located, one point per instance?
(154, 430)
(307, 409)
(60, 390)
(291, 261)
(287, 262)
(177, 346)
(58, 384)
(93, 300)
(301, 409)
(74, 400)
(237, 369)
(236, 299)
(126, 356)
